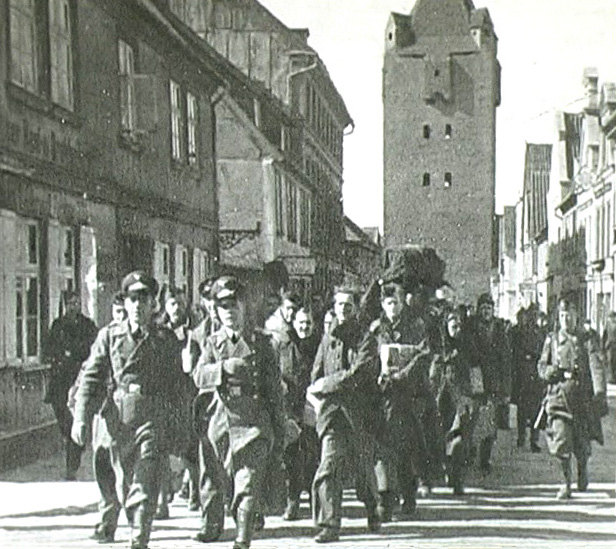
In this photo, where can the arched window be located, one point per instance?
(426, 179)
(448, 131)
(426, 131)
(448, 180)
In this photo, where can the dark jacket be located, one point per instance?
(66, 348)
(349, 365)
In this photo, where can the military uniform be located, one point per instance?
(244, 428)
(67, 346)
(139, 411)
(570, 365)
(346, 421)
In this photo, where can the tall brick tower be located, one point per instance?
(441, 87)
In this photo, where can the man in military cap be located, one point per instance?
(144, 363)
(246, 423)
(575, 398)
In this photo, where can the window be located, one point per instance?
(201, 271)
(126, 63)
(24, 59)
(278, 190)
(448, 180)
(176, 120)
(61, 53)
(304, 217)
(181, 268)
(426, 179)
(448, 131)
(162, 265)
(191, 124)
(291, 197)
(27, 302)
(41, 49)
(426, 131)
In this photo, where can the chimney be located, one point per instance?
(590, 82)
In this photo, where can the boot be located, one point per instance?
(141, 528)
(384, 507)
(582, 478)
(565, 491)
(534, 438)
(485, 453)
(103, 533)
(245, 522)
(292, 510)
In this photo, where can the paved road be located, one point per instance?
(514, 507)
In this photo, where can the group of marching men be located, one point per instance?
(390, 404)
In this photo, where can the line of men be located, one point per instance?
(390, 406)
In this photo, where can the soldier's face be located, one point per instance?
(453, 326)
(303, 324)
(288, 310)
(230, 313)
(392, 307)
(344, 307)
(118, 313)
(73, 305)
(140, 307)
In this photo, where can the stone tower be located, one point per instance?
(441, 87)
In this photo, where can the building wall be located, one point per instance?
(85, 196)
(442, 77)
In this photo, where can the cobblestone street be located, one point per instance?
(514, 507)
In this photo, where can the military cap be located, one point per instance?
(139, 281)
(206, 287)
(225, 287)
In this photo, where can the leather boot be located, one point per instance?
(534, 441)
(565, 491)
(384, 507)
(245, 523)
(485, 453)
(141, 528)
(582, 478)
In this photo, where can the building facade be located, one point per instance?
(441, 87)
(296, 184)
(101, 171)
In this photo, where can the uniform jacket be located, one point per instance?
(349, 366)
(243, 411)
(67, 347)
(149, 368)
(569, 363)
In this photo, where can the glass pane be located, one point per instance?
(19, 311)
(32, 245)
(68, 248)
(32, 297)
(32, 336)
(19, 317)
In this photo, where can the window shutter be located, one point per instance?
(198, 276)
(146, 102)
(8, 265)
(88, 275)
(55, 284)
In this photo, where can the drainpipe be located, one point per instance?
(310, 67)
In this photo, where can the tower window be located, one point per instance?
(448, 131)
(448, 180)
(426, 131)
(426, 179)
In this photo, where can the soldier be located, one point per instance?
(527, 339)
(67, 346)
(142, 359)
(406, 393)
(281, 319)
(490, 360)
(575, 398)
(246, 423)
(344, 380)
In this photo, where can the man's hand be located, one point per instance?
(238, 368)
(317, 387)
(79, 433)
(187, 360)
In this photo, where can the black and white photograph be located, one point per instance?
(308, 273)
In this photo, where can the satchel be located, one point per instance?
(134, 408)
